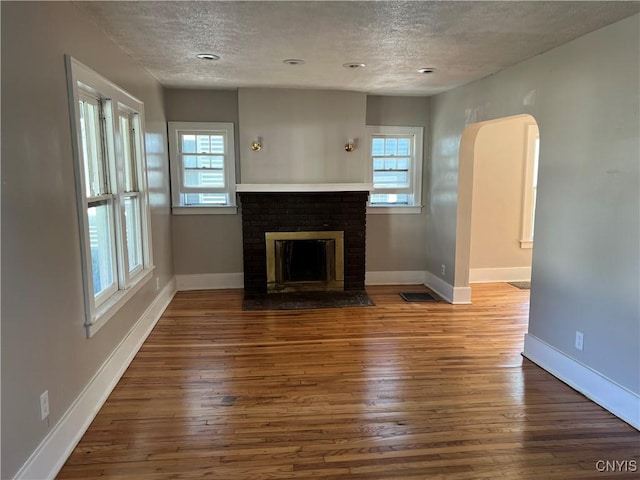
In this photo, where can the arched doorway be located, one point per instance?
(496, 200)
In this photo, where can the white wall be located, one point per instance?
(44, 346)
(585, 274)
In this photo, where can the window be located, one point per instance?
(113, 209)
(396, 166)
(530, 189)
(203, 176)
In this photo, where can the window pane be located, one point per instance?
(133, 232)
(190, 161)
(390, 179)
(128, 157)
(203, 161)
(404, 146)
(217, 143)
(210, 161)
(377, 146)
(101, 241)
(204, 178)
(206, 199)
(188, 143)
(403, 164)
(92, 148)
(204, 144)
(390, 164)
(390, 146)
(390, 199)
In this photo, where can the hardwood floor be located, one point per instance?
(396, 391)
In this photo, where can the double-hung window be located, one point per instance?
(203, 176)
(396, 164)
(111, 189)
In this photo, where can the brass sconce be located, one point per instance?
(351, 145)
(256, 145)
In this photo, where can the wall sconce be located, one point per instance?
(351, 145)
(256, 144)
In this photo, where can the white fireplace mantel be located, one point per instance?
(303, 187)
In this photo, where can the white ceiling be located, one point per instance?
(464, 41)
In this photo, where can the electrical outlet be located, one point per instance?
(157, 283)
(579, 340)
(44, 405)
(442, 269)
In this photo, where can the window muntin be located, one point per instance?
(396, 163)
(202, 164)
(113, 207)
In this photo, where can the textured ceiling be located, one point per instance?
(464, 41)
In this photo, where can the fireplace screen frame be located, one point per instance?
(334, 264)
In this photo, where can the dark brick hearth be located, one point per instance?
(303, 212)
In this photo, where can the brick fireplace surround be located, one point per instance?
(302, 212)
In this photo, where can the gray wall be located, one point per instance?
(585, 98)
(43, 339)
(206, 243)
(303, 135)
(398, 242)
(213, 243)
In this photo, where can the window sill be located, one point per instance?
(226, 210)
(108, 309)
(526, 243)
(386, 210)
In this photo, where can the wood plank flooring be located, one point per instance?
(396, 391)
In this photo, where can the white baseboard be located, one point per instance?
(214, 281)
(394, 278)
(455, 295)
(461, 296)
(618, 400)
(209, 281)
(47, 460)
(507, 274)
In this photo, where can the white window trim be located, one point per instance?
(528, 194)
(176, 174)
(387, 209)
(81, 80)
(416, 168)
(201, 210)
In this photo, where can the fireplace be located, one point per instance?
(303, 241)
(304, 261)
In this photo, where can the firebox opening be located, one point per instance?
(304, 261)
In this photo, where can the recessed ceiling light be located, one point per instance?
(427, 70)
(207, 56)
(353, 65)
(293, 61)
